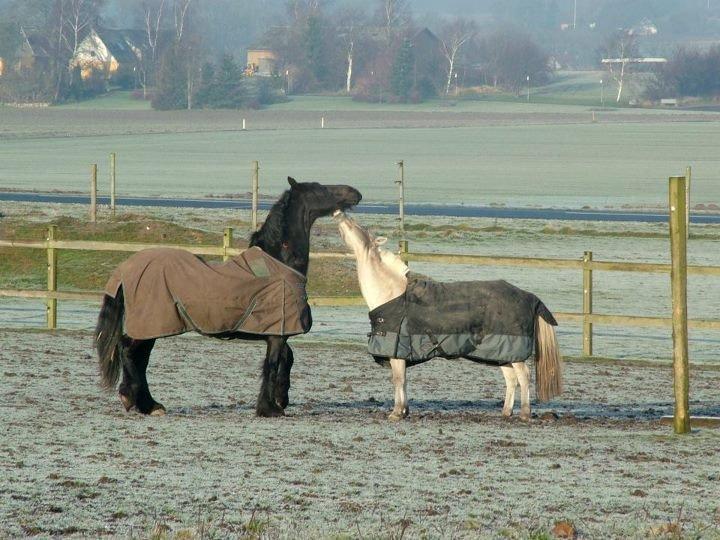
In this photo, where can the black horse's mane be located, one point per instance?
(274, 230)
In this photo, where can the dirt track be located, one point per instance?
(72, 461)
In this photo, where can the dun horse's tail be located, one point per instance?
(548, 363)
(108, 333)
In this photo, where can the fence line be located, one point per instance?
(449, 258)
(587, 318)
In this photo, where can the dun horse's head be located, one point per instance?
(362, 242)
(322, 200)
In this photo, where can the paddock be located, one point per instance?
(598, 457)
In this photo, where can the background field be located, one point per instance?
(476, 152)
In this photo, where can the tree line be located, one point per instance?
(189, 51)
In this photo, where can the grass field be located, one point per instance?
(491, 151)
(547, 159)
(76, 464)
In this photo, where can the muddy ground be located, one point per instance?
(73, 462)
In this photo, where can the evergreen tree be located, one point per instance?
(401, 79)
(171, 90)
(207, 76)
(314, 49)
(226, 90)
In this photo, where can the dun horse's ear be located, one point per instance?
(380, 240)
(292, 181)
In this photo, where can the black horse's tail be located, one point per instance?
(108, 333)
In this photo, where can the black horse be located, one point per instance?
(285, 235)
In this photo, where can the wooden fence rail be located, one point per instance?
(585, 264)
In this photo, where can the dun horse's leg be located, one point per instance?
(510, 384)
(523, 377)
(283, 377)
(134, 391)
(401, 409)
(266, 405)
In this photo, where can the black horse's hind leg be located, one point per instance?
(266, 405)
(283, 377)
(134, 391)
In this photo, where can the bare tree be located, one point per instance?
(78, 16)
(394, 14)
(180, 10)
(352, 23)
(620, 48)
(454, 35)
(153, 12)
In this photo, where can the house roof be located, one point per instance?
(39, 45)
(119, 43)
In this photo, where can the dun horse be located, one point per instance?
(259, 295)
(415, 319)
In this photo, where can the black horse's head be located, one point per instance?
(320, 200)
(286, 232)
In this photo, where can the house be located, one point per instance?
(429, 61)
(261, 62)
(35, 52)
(108, 51)
(32, 53)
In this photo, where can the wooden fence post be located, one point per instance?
(678, 278)
(255, 188)
(587, 304)
(227, 242)
(688, 176)
(51, 278)
(404, 249)
(113, 158)
(93, 193)
(401, 201)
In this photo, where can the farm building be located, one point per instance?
(108, 51)
(33, 53)
(262, 62)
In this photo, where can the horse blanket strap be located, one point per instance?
(171, 291)
(485, 321)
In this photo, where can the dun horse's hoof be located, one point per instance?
(397, 416)
(525, 415)
(158, 410)
(126, 401)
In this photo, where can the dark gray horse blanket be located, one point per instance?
(485, 321)
(171, 291)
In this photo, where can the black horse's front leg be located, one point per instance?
(266, 405)
(282, 387)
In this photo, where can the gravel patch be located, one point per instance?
(73, 463)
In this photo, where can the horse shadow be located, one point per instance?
(645, 411)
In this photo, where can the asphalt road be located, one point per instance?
(456, 210)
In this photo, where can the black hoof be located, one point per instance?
(126, 401)
(269, 410)
(282, 402)
(152, 408)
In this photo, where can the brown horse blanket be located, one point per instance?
(171, 291)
